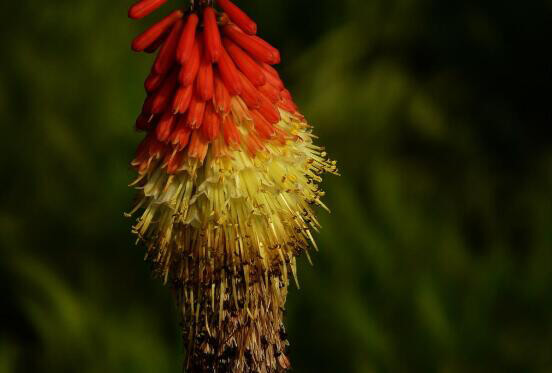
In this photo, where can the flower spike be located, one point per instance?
(228, 173)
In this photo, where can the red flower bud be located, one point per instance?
(142, 122)
(229, 74)
(198, 145)
(181, 135)
(143, 8)
(157, 43)
(263, 128)
(182, 99)
(194, 118)
(230, 132)
(271, 92)
(268, 111)
(149, 36)
(167, 55)
(222, 97)
(211, 123)
(205, 78)
(261, 51)
(187, 39)
(249, 94)
(153, 81)
(238, 16)
(245, 63)
(165, 126)
(189, 71)
(212, 34)
(164, 94)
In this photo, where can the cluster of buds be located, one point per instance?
(227, 177)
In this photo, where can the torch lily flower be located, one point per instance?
(228, 175)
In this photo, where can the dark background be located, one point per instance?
(436, 257)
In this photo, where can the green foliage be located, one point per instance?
(436, 257)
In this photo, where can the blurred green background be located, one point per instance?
(436, 257)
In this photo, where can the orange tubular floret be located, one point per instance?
(167, 55)
(274, 81)
(271, 70)
(238, 16)
(194, 118)
(144, 8)
(182, 99)
(286, 94)
(198, 145)
(258, 50)
(161, 97)
(288, 106)
(249, 94)
(268, 111)
(149, 36)
(275, 52)
(263, 128)
(245, 63)
(142, 123)
(189, 71)
(230, 132)
(174, 162)
(153, 81)
(205, 79)
(211, 123)
(254, 145)
(165, 126)
(212, 34)
(271, 92)
(229, 74)
(186, 42)
(157, 43)
(222, 97)
(181, 135)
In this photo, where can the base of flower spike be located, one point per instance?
(225, 232)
